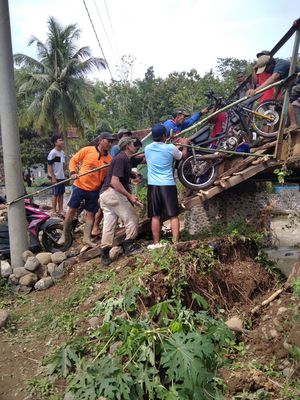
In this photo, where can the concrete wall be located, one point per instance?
(245, 200)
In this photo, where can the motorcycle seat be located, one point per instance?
(201, 135)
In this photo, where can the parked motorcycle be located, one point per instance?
(43, 231)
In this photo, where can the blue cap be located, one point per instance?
(158, 130)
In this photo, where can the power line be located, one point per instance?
(97, 38)
(107, 37)
(111, 27)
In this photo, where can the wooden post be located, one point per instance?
(283, 118)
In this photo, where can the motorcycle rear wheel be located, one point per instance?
(50, 237)
(265, 128)
(189, 179)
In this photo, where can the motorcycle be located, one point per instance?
(43, 231)
(198, 171)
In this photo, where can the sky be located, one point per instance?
(170, 35)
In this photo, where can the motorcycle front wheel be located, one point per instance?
(50, 237)
(267, 127)
(196, 174)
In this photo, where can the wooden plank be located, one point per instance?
(233, 181)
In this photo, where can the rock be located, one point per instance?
(94, 322)
(51, 267)
(5, 269)
(32, 264)
(3, 318)
(41, 271)
(58, 257)
(58, 272)
(114, 347)
(19, 272)
(72, 253)
(288, 372)
(44, 283)
(21, 289)
(282, 310)
(28, 280)
(13, 280)
(44, 258)
(235, 323)
(115, 252)
(273, 333)
(26, 255)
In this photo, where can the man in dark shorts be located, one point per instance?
(162, 191)
(56, 164)
(86, 188)
(116, 201)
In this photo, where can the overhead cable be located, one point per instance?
(97, 38)
(111, 27)
(107, 37)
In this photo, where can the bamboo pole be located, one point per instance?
(228, 106)
(26, 196)
(237, 153)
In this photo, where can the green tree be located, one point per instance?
(54, 87)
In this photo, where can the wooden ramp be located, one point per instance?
(237, 170)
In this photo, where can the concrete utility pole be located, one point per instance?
(11, 142)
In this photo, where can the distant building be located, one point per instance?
(38, 171)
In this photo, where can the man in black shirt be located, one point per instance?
(116, 201)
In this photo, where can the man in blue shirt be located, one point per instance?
(162, 191)
(278, 69)
(179, 122)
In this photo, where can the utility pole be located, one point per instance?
(11, 142)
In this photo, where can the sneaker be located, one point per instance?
(156, 246)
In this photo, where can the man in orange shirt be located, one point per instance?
(86, 188)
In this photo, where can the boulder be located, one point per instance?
(41, 271)
(51, 267)
(26, 254)
(44, 258)
(58, 272)
(5, 269)
(44, 283)
(13, 280)
(28, 280)
(3, 318)
(235, 324)
(19, 272)
(58, 257)
(32, 264)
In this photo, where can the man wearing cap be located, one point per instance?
(116, 201)
(162, 192)
(86, 188)
(179, 122)
(123, 132)
(276, 69)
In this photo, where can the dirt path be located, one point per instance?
(18, 363)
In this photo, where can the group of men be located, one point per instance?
(106, 191)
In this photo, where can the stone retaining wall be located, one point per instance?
(245, 201)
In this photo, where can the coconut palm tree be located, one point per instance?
(54, 86)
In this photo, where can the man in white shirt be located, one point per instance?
(56, 161)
